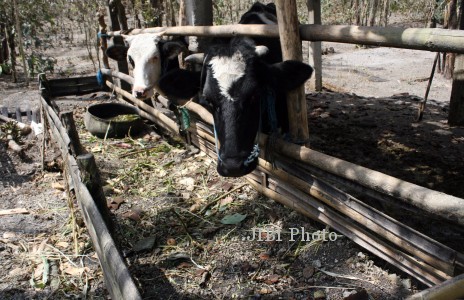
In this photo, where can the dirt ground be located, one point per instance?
(169, 204)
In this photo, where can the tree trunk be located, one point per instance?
(357, 12)
(373, 12)
(386, 13)
(11, 44)
(20, 40)
(157, 6)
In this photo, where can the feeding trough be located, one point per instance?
(113, 120)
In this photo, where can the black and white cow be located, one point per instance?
(240, 81)
(150, 56)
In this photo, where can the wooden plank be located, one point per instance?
(290, 42)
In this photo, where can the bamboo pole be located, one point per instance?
(440, 204)
(429, 39)
(413, 242)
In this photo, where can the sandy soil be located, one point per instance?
(367, 119)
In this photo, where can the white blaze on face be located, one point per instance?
(143, 51)
(227, 70)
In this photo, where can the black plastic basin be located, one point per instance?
(115, 120)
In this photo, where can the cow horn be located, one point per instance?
(196, 58)
(261, 50)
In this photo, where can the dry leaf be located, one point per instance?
(171, 242)
(226, 200)
(264, 256)
(75, 271)
(62, 245)
(227, 186)
(272, 279)
(57, 186)
(133, 215)
(188, 182)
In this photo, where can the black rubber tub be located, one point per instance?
(113, 120)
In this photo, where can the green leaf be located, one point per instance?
(233, 219)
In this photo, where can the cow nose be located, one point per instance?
(139, 94)
(234, 167)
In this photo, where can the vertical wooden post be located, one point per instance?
(291, 49)
(456, 110)
(112, 8)
(314, 50)
(198, 13)
(103, 42)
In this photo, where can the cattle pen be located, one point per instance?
(307, 181)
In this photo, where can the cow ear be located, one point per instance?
(290, 74)
(180, 83)
(173, 48)
(117, 52)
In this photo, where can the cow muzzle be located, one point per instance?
(236, 166)
(142, 92)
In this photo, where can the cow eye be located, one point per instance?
(154, 59)
(131, 61)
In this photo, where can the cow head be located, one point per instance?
(149, 55)
(234, 83)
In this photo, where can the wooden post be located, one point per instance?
(314, 50)
(113, 13)
(456, 112)
(103, 42)
(198, 13)
(291, 49)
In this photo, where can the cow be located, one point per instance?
(244, 85)
(150, 56)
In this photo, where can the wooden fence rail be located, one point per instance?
(430, 39)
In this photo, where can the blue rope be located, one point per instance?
(100, 77)
(100, 35)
